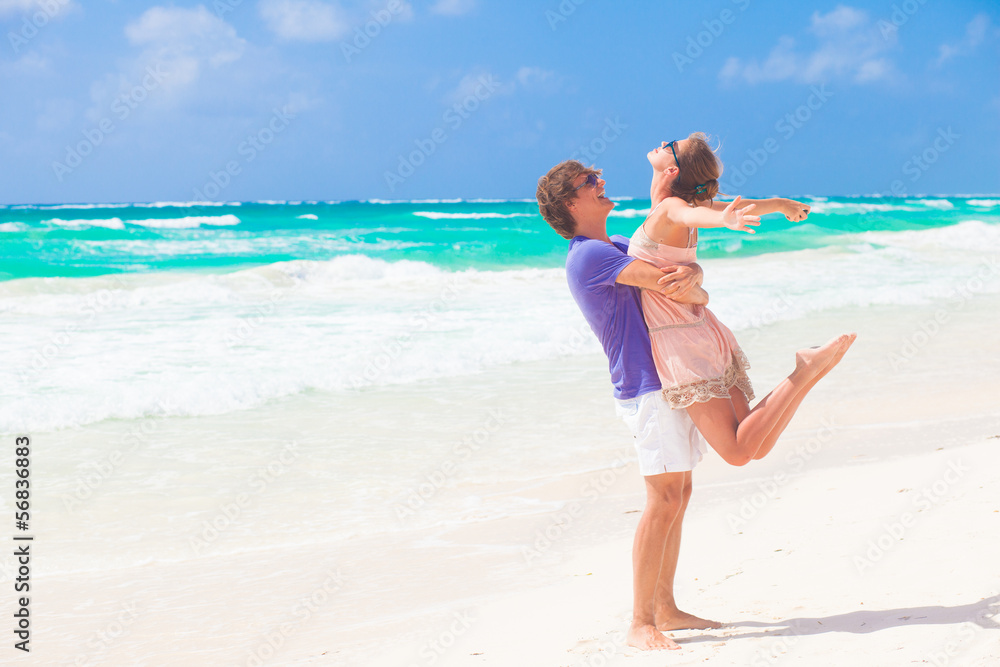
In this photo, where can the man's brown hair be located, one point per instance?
(555, 190)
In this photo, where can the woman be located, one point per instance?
(701, 367)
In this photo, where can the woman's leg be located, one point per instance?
(739, 440)
(789, 412)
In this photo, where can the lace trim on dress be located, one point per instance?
(649, 243)
(679, 325)
(644, 240)
(703, 391)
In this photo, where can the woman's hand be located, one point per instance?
(738, 219)
(795, 211)
(682, 283)
(696, 297)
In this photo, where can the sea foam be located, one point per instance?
(439, 215)
(847, 208)
(188, 222)
(215, 343)
(108, 223)
(941, 204)
(629, 213)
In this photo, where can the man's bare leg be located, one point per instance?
(664, 507)
(789, 412)
(668, 616)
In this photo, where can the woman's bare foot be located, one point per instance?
(681, 620)
(812, 361)
(840, 355)
(648, 638)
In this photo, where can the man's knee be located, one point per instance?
(668, 498)
(665, 512)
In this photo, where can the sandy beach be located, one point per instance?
(869, 537)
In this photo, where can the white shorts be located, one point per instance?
(666, 440)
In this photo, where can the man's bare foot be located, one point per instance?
(648, 638)
(814, 360)
(681, 620)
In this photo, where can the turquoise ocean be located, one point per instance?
(357, 371)
(113, 311)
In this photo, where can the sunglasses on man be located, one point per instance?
(591, 181)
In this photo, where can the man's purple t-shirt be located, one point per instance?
(614, 312)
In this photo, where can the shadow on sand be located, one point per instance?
(982, 613)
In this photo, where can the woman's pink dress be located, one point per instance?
(697, 356)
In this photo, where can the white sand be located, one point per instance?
(870, 537)
(821, 575)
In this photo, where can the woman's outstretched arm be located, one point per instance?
(794, 210)
(735, 215)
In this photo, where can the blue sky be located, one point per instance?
(291, 99)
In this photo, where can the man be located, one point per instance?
(605, 283)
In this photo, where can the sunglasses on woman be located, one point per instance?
(676, 161)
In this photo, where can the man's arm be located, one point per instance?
(682, 283)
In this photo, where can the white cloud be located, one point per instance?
(51, 8)
(14, 6)
(845, 44)
(403, 10)
(182, 39)
(480, 85)
(975, 32)
(840, 19)
(305, 20)
(178, 46)
(31, 64)
(535, 76)
(56, 115)
(781, 63)
(873, 70)
(453, 7)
